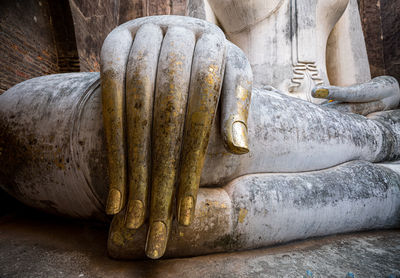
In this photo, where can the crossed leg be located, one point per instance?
(255, 209)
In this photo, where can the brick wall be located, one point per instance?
(390, 14)
(26, 42)
(381, 26)
(35, 39)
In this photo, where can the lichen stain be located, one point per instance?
(242, 215)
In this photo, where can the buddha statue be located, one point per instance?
(275, 118)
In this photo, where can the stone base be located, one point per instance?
(33, 244)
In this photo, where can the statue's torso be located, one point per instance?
(287, 46)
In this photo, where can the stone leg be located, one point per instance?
(266, 209)
(291, 135)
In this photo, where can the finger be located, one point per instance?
(363, 108)
(140, 78)
(377, 89)
(235, 101)
(173, 77)
(114, 56)
(205, 85)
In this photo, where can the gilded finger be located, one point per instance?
(235, 101)
(205, 87)
(114, 56)
(173, 77)
(141, 73)
(379, 88)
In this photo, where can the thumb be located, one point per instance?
(235, 100)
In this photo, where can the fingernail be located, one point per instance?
(321, 93)
(156, 240)
(185, 213)
(135, 214)
(239, 136)
(113, 202)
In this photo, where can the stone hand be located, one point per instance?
(381, 93)
(161, 81)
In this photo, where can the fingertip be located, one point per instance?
(186, 210)
(135, 214)
(237, 138)
(113, 202)
(320, 92)
(156, 240)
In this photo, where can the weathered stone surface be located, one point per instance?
(296, 63)
(300, 50)
(55, 161)
(51, 154)
(347, 99)
(367, 149)
(36, 245)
